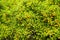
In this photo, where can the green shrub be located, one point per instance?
(29, 19)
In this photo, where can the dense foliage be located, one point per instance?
(29, 19)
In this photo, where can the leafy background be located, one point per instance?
(29, 19)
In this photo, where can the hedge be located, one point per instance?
(29, 19)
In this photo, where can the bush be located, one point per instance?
(29, 19)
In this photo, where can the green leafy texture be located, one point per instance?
(29, 19)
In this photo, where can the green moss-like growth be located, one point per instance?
(29, 19)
